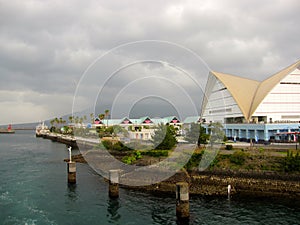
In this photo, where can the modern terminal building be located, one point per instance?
(248, 109)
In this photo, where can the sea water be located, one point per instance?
(34, 190)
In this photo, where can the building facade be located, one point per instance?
(249, 109)
(140, 129)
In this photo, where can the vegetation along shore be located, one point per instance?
(260, 171)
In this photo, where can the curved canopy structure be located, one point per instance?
(232, 96)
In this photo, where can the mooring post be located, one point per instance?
(71, 168)
(71, 172)
(182, 201)
(114, 183)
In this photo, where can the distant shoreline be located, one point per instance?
(30, 128)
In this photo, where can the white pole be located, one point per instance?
(229, 189)
(70, 153)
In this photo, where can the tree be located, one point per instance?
(56, 120)
(81, 120)
(101, 116)
(120, 131)
(92, 117)
(61, 121)
(197, 133)
(216, 133)
(164, 137)
(71, 119)
(106, 113)
(106, 116)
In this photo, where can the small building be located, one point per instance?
(142, 128)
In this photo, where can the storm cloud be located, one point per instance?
(47, 46)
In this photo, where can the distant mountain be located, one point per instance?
(136, 112)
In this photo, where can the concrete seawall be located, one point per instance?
(71, 141)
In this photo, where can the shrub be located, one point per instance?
(138, 154)
(238, 157)
(292, 162)
(107, 144)
(215, 162)
(196, 134)
(164, 137)
(156, 153)
(118, 146)
(228, 147)
(261, 150)
(193, 161)
(131, 158)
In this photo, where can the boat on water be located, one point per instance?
(41, 130)
(8, 130)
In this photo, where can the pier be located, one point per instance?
(70, 140)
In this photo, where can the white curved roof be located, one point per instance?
(248, 93)
(267, 85)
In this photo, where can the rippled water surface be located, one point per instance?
(33, 190)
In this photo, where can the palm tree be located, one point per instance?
(106, 115)
(101, 116)
(56, 121)
(71, 119)
(52, 122)
(81, 120)
(61, 121)
(92, 117)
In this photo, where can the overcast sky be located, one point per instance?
(46, 47)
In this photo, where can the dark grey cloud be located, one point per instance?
(45, 46)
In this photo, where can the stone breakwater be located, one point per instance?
(213, 183)
(245, 183)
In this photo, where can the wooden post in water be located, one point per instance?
(114, 183)
(71, 168)
(182, 201)
(71, 172)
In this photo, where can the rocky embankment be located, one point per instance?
(215, 183)
(246, 183)
(257, 184)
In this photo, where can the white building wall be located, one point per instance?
(283, 101)
(220, 104)
(144, 134)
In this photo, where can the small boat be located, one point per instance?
(41, 130)
(8, 130)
